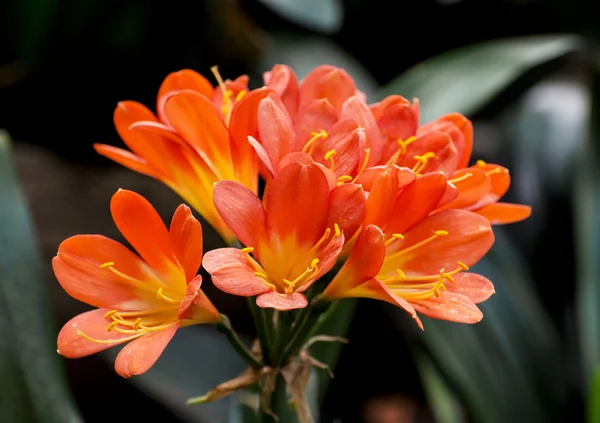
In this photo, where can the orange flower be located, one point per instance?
(292, 238)
(198, 137)
(415, 260)
(143, 299)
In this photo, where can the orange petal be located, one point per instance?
(235, 87)
(450, 306)
(449, 195)
(139, 355)
(185, 79)
(441, 145)
(127, 113)
(368, 176)
(232, 272)
(460, 129)
(282, 302)
(77, 267)
(500, 180)
(267, 168)
(347, 208)
(363, 264)
(93, 324)
(283, 81)
(357, 110)
(347, 140)
(314, 116)
(329, 82)
(297, 204)
(469, 237)
(382, 197)
(275, 129)
(185, 236)
(415, 202)
(471, 185)
(473, 286)
(196, 306)
(197, 121)
(142, 226)
(502, 213)
(377, 290)
(129, 160)
(305, 159)
(396, 117)
(327, 255)
(242, 211)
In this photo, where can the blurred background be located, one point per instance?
(525, 71)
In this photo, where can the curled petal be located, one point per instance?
(139, 355)
(242, 211)
(275, 128)
(141, 225)
(471, 185)
(185, 235)
(283, 81)
(460, 129)
(328, 82)
(185, 79)
(450, 306)
(502, 213)
(282, 302)
(233, 273)
(196, 306)
(363, 264)
(268, 169)
(347, 208)
(357, 110)
(72, 344)
(473, 286)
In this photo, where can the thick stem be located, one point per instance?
(263, 326)
(279, 405)
(284, 326)
(224, 326)
(304, 326)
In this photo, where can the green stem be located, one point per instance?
(263, 327)
(224, 326)
(284, 326)
(304, 326)
(279, 405)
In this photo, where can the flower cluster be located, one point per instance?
(359, 200)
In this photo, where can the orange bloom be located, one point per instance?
(143, 299)
(198, 137)
(292, 237)
(415, 260)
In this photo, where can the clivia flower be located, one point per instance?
(197, 138)
(291, 238)
(141, 299)
(417, 261)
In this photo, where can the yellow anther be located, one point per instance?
(321, 134)
(345, 178)
(110, 314)
(314, 263)
(137, 323)
(311, 142)
(111, 326)
(425, 157)
(399, 236)
(159, 293)
(240, 95)
(463, 266)
(261, 275)
(107, 264)
(481, 163)
(441, 232)
(247, 250)
(161, 296)
(329, 154)
(338, 232)
(401, 275)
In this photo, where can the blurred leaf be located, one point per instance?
(303, 54)
(510, 366)
(593, 409)
(466, 79)
(444, 405)
(197, 359)
(32, 385)
(325, 16)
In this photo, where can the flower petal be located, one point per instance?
(282, 302)
(297, 205)
(347, 140)
(357, 110)
(328, 82)
(185, 236)
(471, 185)
(313, 117)
(127, 113)
(139, 355)
(78, 266)
(377, 290)
(469, 237)
(232, 272)
(347, 208)
(363, 264)
(92, 323)
(196, 306)
(502, 213)
(275, 130)
(368, 176)
(185, 79)
(450, 306)
(396, 117)
(129, 160)
(438, 143)
(382, 197)
(242, 211)
(283, 81)
(267, 170)
(460, 129)
(141, 225)
(473, 286)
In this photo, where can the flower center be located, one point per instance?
(228, 104)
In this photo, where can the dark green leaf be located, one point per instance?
(593, 409)
(468, 78)
(324, 16)
(32, 385)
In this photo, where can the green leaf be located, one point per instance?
(32, 384)
(508, 367)
(468, 78)
(324, 16)
(593, 408)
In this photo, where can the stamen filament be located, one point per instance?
(311, 142)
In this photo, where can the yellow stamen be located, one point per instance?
(460, 178)
(314, 263)
(240, 95)
(247, 250)
(481, 163)
(393, 238)
(441, 232)
(413, 247)
(261, 275)
(338, 232)
(109, 341)
(311, 142)
(107, 264)
(111, 326)
(363, 163)
(343, 179)
(226, 108)
(422, 161)
(401, 149)
(463, 266)
(161, 296)
(137, 323)
(329, 157)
